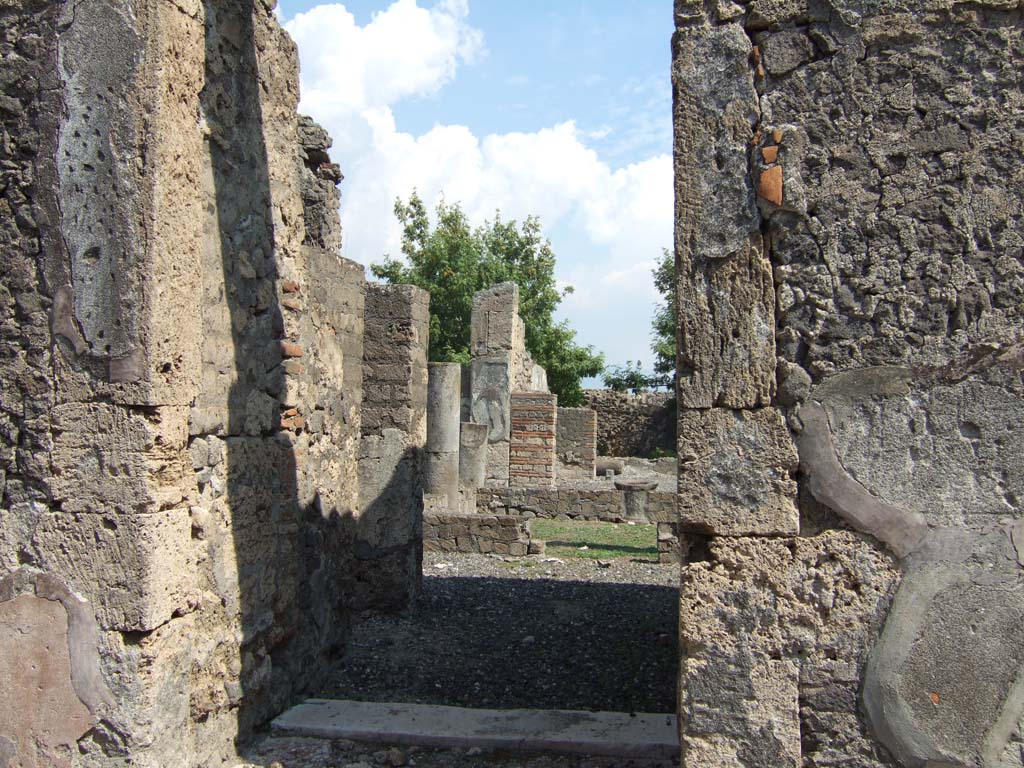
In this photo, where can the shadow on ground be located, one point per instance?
(508, 643)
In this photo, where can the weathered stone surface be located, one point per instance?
(320, 177)
(632, 424)
(394, 433)
(784, 51)
(946, 680)
(736, 473)
(491, 405)
(727, 322)
(576, 442)
(112, 460)
(472, 455)
(947, 451)
(138, 570)
(501, 535)
(726, 297)
(913, 178)
(774, 636)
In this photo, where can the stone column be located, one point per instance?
(441, 475)
(472, 456)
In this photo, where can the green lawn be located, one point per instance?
(602, 540)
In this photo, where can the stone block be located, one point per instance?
(112, 459)
(736, 473)
(138, 569)
(945, 450)
(764, 625)
(726, 297)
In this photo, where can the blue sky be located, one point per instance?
(560, 109)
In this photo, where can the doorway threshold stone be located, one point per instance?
(615, 734)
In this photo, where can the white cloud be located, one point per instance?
(607, 224)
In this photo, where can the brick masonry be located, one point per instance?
(533, 439)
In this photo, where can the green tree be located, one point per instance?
(663, 326)
(453, 261)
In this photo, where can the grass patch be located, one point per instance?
(602, 540)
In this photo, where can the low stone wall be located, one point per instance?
(500, 534)
(578, 504)
(632, 425)
(669, 550)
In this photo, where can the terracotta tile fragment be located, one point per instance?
(769, 185)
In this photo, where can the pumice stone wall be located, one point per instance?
(849, 197)
(183, 526)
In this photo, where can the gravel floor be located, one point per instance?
(316, 753)
(523, 632)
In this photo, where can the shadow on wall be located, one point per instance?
(302, 560)
(285, 552)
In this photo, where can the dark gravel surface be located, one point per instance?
(523, 632)
(339, 753)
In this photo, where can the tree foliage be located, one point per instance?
(663, 326)
(453, 261)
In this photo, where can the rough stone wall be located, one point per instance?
(181, 382)
(482, 534)
(532, 440)
(632, 425)
(319, 192)
(394, 433)
(578, 504)
(847, 178)
(576, 442)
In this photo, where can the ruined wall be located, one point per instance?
(576, 503)
(479, 534)
(632, 425)
(847, 181)
(394, 433)
(181, 382)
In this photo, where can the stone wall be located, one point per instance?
(532, 439)
(479, 534)
(632, 425)
(394, 433)
(576, 443)
(180, 387)
(850, 353)
(578, 504)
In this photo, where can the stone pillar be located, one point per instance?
(394, 432)
(532, 443)
(466, 394)
(472, 455)
(635, 498)
(491, 405)
(576, 443)
(441, 476)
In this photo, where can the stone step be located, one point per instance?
(614, 734)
